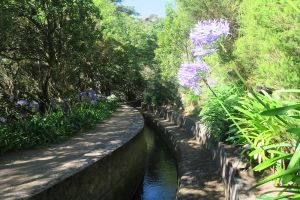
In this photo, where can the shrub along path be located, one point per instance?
(25, 173)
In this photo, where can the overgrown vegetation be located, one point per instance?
(238, 61)
(255, 69)
(53, 127)
(59, 60)
(213, 115)
(268, 45)
(50, 51)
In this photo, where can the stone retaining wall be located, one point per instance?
(236, 178)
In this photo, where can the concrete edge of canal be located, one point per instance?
(205, 170)
(105, 163)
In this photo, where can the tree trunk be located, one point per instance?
(50, 49)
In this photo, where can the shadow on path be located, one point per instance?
(26, 172)
(198, 173)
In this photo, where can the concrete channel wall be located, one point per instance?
(115, 176)
(236, 177)
(105, 163)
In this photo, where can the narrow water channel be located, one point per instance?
(160, 178)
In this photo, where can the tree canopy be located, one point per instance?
(52, 50)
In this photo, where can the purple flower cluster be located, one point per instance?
(208, 31)
(22, 102)
(91, 95)
(200, 51)
(33, 105)
(83, 94)
(190, 74)
(203, 36)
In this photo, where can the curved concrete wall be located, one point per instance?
(105, 163)
(116, 176)
(233, 171)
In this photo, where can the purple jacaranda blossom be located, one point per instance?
(3, 119)
(190, 74)
(22, 102)
(208, 31)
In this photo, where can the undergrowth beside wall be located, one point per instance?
(54, 127)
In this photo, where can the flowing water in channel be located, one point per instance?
(160, 178)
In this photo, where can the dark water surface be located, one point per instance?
(160, 179)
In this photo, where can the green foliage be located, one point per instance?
(53, 127)
(209, 9)
(44, 47)
(191, 99)
(213, 115)
(128, 47)
(260, 130)
(52, 50)
(173, 44)
(287, 177)
(159, 92)
(269, 43)
(172, 49)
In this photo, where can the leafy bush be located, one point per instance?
(161, 92)
(190, 101)
(256, 129)
(269, 43)
(286, 175)
(53, 127)
(283, 157)
(213, 115)
(263, 53)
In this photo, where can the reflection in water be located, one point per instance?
(160, 179)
